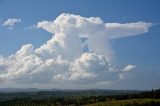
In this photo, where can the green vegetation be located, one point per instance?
(80, 98)
(129, 102)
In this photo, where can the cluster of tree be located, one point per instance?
(79, 100)
(154, 94)
(52, 101)
(152, 103)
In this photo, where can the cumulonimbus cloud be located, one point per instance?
(79, 52)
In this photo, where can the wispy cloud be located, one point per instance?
(11, 22)
(129, 67)
(31, 27)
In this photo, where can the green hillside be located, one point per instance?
(129, 102)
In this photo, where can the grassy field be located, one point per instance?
(124, 102)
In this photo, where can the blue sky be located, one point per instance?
(142, 51)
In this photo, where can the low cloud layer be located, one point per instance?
(79, 52)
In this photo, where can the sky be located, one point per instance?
(80, 44)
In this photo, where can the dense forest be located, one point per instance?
(81, 98)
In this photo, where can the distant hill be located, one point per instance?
(105, 91)
(11, 93)
(13, 90)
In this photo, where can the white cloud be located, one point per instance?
(31, 27)
(11, 22)
(117, 30)
(129, 67)
(62, 59)
(98, 32)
